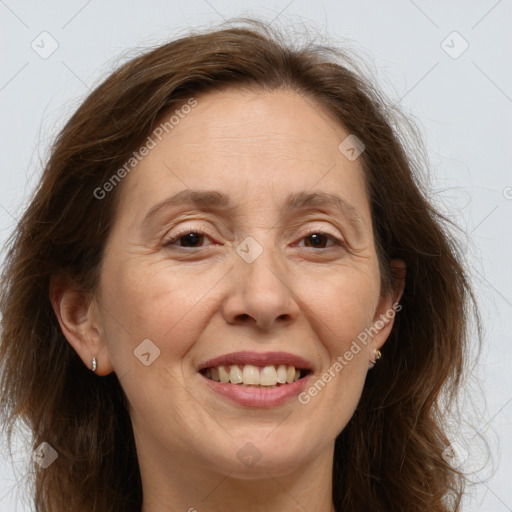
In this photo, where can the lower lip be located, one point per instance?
(260, 396)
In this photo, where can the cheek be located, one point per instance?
(171, 310)
(165, 305)
(341, 304)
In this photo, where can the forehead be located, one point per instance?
(249, 144)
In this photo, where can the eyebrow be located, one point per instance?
(205, 199)
(214, 200)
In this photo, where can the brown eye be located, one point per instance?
(189, 239)
(316, 240)
(319, 240)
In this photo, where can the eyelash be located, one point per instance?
(200, 232)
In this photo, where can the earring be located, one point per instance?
(94, 364)
(378, 355)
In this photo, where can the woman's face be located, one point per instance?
(273, 265)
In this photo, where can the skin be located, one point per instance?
(196, 303)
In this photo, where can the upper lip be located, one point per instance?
(257, 359)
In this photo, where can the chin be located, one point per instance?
(260, 457)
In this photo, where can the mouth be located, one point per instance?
(249, 375)
(254, 379)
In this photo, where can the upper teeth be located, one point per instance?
(249, 374)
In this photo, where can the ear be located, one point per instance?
(80, 322)
(387, 306)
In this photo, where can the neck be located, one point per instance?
(173, 485)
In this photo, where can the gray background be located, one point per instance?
(462, 103)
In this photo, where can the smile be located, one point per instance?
(252, 375)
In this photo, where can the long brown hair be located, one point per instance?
(390, 455)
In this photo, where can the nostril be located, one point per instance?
(242, 317)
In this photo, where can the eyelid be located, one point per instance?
(183, 232)
(333, 232)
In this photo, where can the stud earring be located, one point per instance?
(378, 355)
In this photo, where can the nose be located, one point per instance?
(262, 293)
